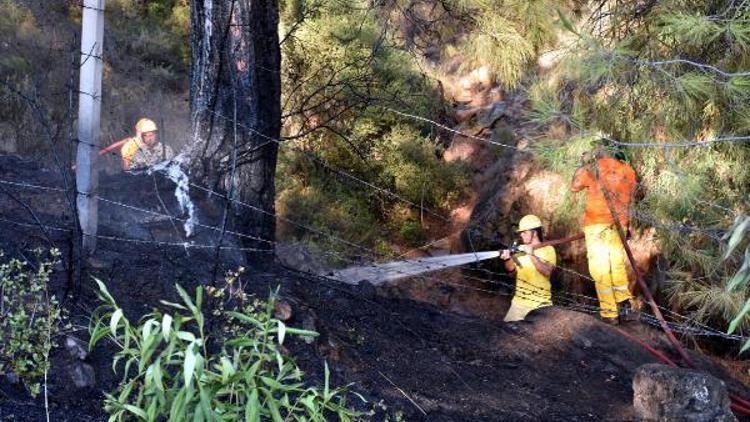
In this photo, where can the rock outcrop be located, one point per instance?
(663, 393)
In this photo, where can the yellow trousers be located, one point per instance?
(606, 256)
(517, 312)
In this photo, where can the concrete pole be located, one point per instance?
(89, 111)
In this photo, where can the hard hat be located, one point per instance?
(529, 222)
(145, 125)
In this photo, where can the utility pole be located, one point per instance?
(89, 111)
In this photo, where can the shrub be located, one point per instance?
(29, 319)
(413, 233)
(329, 209)
(168, 372)
(357, 131)
(411, 164)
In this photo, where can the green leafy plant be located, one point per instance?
(169, 373)
(29, 319)
(741, 278)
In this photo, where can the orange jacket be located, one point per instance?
(618, 179)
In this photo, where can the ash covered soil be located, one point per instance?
(415, 358)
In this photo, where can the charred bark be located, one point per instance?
(235, 90)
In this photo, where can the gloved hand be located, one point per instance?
(505, 254)
(527, 249)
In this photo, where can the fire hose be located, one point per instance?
(108, 148)
(514, 248)
(738, 404)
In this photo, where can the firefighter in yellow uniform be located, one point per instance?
(533, 267)
(144, 149)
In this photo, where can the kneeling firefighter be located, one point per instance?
(144, 149)
(533, 268)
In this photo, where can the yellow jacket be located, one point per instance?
(128, 151)
(533, 289)
(135, 154)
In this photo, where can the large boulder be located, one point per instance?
(663, 393)
(299, 257)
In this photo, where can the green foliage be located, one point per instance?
(500, 45)
(30, 319)
(504, 35)
(410, 163)
(156, 32)
(546, 101)
(413, 233)
(646, 79)
(329, 207)
(169, 373)
(739, 282)
(669, 73)
(563, 157)
(17, 60)
(691, 30)
(17, 20)
(339, 83)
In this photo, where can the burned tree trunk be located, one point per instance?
(235, 90)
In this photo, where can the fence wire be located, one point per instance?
(564, 299)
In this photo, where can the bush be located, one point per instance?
(29, 319)
(156, 32)
(357, 131)
(404, 162)
(411, 164)
(413, 233)
(329, 209)
(168, 372)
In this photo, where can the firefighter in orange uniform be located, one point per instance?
(610, 184)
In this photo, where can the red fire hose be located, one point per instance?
(556, 242)
(114, 146)
(109, 148)
(739, 405)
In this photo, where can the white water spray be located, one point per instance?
(378, 274)
(174, 172)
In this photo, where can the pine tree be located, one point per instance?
(235, 95)
(668, 81)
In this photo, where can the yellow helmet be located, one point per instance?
(529, 222)
(145, 125)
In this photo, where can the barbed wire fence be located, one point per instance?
(187, 245)
(371, 254)
(569, 300)
(211, 249)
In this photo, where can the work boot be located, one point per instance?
(610, 321)
(626, 313)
